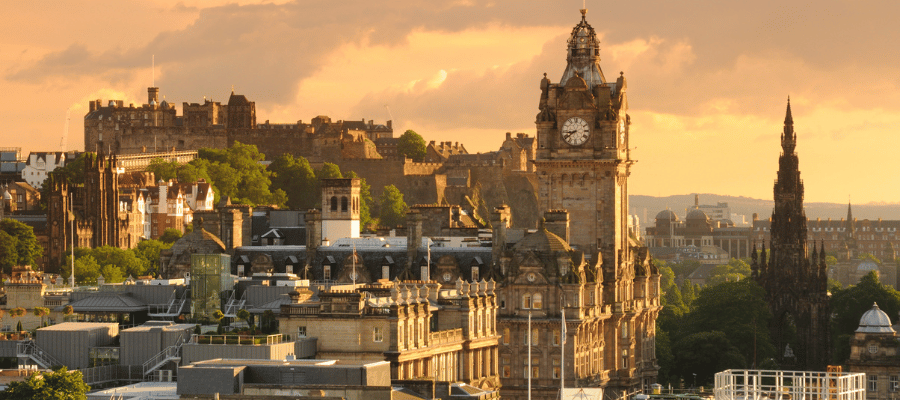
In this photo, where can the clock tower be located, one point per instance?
(583, 159)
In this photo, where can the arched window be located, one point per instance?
(344, 203)
(537, 301)
(333, 203)
(526, 301)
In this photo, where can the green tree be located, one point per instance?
(734, 271)
(236, 172)
(147, 251)
(170, 235)
(688, 293)
(295, 176)
(8, 253)
(411, 145)
(328, 171)
(243, 315)
(57, 385)
(667, 276)
(27, 247)
(664, 356)
(365, 201)
(392, 207)
(163, 170)
(116, 258)
(849, 304)
(740, 311)
(704, 354)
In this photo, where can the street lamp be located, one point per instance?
(695, 380)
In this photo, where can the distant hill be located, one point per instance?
(646, 207)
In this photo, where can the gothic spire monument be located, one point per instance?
(793, 275)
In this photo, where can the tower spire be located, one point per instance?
(788, 137)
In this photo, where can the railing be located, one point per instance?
(448, 336)
(111, 373)
(31, 350)
(301, 310)
(241, 340)
(232, 307)
(169, 353)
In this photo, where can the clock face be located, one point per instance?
(575, 131)
(447, 277)
(531, 277)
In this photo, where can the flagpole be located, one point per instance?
(529, 356)
(562, 358)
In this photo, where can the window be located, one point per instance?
(873, 348)
(475, 277)
(535, 336)
(505, 335)
(506, 371)
(343, 204)
(537, 301)
(301, 331)
(624, 329)
(240, 270)
(386, 272)
(556, 337)
(289, 269)
(377, 334)
(333, 203)
(526, 301)
(624, 359)
(895, 383)
(873, 383)
(424, 273)
(326, 273)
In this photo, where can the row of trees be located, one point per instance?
(116, 264)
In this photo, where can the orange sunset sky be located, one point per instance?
(707, 80)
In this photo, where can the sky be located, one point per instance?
(708, 80)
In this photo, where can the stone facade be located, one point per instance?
(422, 329)
(795, 279)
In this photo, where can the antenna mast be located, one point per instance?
(153, 70)
(64, 143)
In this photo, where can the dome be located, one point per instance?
(164, 104)
(866, 266)
(875, 321)
(542, 240)
(697, 214)
(6, 195)
(667, 215)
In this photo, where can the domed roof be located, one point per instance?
(667, 215)
(542, 240)
(164, 104)
(875, 321)
(867, 266)
(697, 214)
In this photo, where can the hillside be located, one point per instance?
(649, 206)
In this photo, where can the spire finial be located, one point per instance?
(232, 89)
(583, 12)
(788, 119)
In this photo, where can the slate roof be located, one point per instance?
(109, 302)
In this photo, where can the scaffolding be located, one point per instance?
(743, 384)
